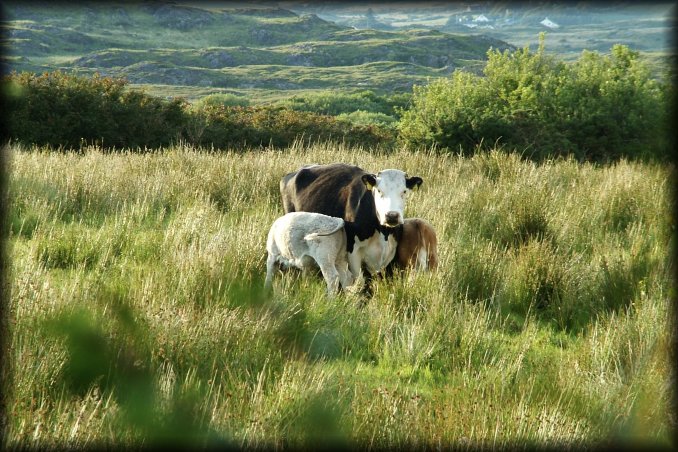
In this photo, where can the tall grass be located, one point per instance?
(137, 314)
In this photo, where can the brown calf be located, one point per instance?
(417, 247)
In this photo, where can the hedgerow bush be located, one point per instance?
(66, 110)
(600, 107)
(227, 100)
(60, 109)
(367, 118)
(221, 126)
(336, 103)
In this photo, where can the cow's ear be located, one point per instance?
(413, 182)
(370, 180)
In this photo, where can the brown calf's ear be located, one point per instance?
(370, 180)
(413, 182)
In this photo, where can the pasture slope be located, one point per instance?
(137, 314)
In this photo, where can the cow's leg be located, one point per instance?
(354, 265)
(367, 287)
(345, 276)
(389, 271)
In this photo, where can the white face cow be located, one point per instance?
(389, 188)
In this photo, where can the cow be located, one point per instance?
(373, 203)
(417, 246)
(299, 239)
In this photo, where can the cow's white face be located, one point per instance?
(390, 188)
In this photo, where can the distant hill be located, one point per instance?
(162, 43)
(644, 26)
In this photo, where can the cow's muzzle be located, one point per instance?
(393, 218)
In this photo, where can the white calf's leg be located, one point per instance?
(326, 262)
(270, 265)
(331, 278)
(273, 254)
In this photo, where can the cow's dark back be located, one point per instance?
(336, 189)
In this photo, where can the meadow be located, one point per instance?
(137, 314)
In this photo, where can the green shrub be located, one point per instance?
(227, 100)
(613, 107)
(263, 125)
(67, 110)
(454, 114)
(597, 108)
(367, 118)
(336, 103)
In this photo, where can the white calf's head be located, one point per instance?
(390, 188)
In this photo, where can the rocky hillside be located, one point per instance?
(160, 43)
(572, 26)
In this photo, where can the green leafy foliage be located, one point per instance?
(221, 127)
(597, 108)
(369, 118)
(614, 106)
(68, 110)
(336, 103)
(362, 108)
(61, 109)
(227, 100)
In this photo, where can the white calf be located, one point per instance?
(299, 239)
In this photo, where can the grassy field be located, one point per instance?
(137, 313)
